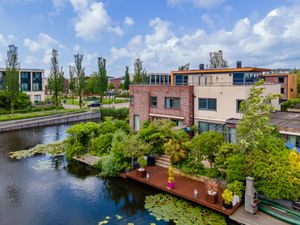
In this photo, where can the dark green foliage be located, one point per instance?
(290, 104)
(274, 175)
(22, 101)
(101, 145)
(206, 145)
(111, 126)
(140, 74)
(91, 85)
(102, 77)
(169, 208)
(127, 79)
(121, 113)
(156, 134)
(224, 152)
(236, 168)
(74, 148)
(79, 77)
(212, 172)
(190, 166)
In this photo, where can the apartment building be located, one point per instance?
(287, 81)
(31, 83)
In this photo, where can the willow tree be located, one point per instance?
(56, 78)
(102, 77)
(11, 79)
(80, 77)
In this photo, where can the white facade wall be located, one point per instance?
(210, 79)
(227, 97)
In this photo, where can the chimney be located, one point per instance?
(238, 64)
(201, 66)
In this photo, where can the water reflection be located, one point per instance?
(40, 191)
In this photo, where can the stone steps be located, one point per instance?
(163, 161)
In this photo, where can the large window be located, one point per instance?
(205, 126)
(208, 104)
(281, 79)
(36, 81)
(37, 98)
(25, 81)
(238, 105)
(172, 103)
(238, 78)
(153, 101)
(181, 79)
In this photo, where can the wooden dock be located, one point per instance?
(87, 159)
(184, 187)
(260, 218)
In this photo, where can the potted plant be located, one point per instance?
(141, 172)
(237, 188)
(212, 187)
(171, 179)
(227, 199)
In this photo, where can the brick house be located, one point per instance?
(161, 102)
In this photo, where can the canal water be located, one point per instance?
(34, 192)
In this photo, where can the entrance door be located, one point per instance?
(136, 123)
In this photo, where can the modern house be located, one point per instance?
(287, 81)
(208, 98)
(31, 83)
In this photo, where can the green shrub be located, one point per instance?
(290, 103)
(121, 113)
(212, 172)
(22, 101)
(74, 149)
(189, 166)
(224, 152)
(109, 168)
(83, 132)
(237, 188)
(101, 145)
(236, 168)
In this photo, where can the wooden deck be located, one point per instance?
(87, 159)
(184, 187)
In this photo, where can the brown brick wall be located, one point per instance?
(274, 79)
(141, 106)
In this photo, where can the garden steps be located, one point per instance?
(163, 161)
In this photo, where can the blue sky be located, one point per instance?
(163, 33)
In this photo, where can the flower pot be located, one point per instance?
(236, 200)
(151, 160)
(212, 197)
(171, 185)
(141, 173)
(227, 206)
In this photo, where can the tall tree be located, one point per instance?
(140, 74)
(56, 78)
(72, 83)
(102, 77)
(80, 77)
(184, 67)
(11, 79)
(91, 84)
(255, 123)
(127, 79)
(217, 60)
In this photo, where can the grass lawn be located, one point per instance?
(104, 101)
(19, 116)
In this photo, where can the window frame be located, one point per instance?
(207, 104)
(172, 104)
(238, 109)
(151, 102)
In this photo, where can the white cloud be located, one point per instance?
(93, 20)
(129, 21)
(6, 40)
(44, 41)
(274, 41)
(76, 48)
(208, 20)
(207, 4)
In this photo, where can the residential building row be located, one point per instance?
(31, 82)
(207, 98)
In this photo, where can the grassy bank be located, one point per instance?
(105, 101)
(19, 116)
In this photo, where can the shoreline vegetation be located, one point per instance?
(20, 116)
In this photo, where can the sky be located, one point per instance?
(164, 34)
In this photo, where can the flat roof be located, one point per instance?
(277, 74)
(286, 119)
(26, 69)
(223, 70)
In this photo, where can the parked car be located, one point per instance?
(94, 104)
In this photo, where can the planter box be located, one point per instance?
(141, 173)
(212, 198)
